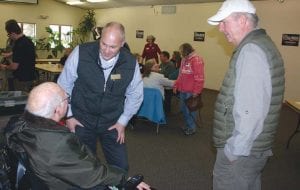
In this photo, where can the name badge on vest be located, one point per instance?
(115, 77)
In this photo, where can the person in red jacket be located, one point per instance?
(151, 49)
(189, 83)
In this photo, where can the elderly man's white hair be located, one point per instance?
(44, 98)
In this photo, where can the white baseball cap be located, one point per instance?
(231, 6)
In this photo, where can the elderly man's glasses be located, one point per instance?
(68, 99)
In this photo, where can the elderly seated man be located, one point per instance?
(55, 154)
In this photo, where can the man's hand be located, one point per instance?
(143, 186)
(71, 124)
(174, 90)
(2, 67)
(121, 132)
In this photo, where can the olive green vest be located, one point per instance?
(223, 118)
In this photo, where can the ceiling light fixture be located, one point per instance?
(74, 2)
(96, 1)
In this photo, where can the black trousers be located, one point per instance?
(168, 99)
(115, 153)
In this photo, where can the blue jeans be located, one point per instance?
(114, 152)
(189, 117)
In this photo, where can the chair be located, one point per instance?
(25, 176)
(152, 107)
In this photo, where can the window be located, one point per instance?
(62, 33)
(66, 37)
(29, 29)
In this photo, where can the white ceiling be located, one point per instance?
(130, 3)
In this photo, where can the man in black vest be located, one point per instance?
(106, 90)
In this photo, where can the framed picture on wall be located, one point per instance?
(290, 39)
(139, 34)
(19, 1)
(199, 36)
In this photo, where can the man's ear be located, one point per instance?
(243, 19)
(57, 113)
(56, 110)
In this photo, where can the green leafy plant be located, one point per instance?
(84, 30)
(51, 43)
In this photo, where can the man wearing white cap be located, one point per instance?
(248, 105)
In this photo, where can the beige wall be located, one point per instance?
(278, 19)
(58, 14)
(173, 30)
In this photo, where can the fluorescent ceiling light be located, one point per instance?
(96, 1)
(75, 3)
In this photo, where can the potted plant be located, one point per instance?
(51, 43)
(79, 35)
(84, 30)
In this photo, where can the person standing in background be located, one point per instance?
(151, 49)
(176, 59)
(106, 90)
(8, 49)
(189, 83)
(167, 68)
(23, 57)
(7, 76)
(248, 106)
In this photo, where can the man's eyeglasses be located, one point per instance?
(68, 99)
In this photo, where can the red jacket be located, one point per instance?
(151, 51)
(191, 74)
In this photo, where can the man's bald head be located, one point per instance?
(112, 39)
(44, 99)
(114, 27)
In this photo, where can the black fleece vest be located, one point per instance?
(93, 105)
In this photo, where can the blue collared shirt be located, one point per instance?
(134, 91)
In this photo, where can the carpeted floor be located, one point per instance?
(173, 161)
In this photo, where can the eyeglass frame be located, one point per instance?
(68, 98)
